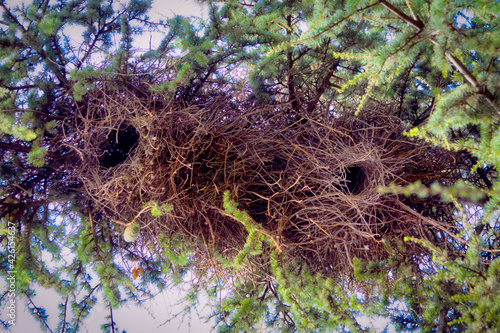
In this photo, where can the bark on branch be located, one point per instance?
(416, 23)
(442, 321)
(462, 69)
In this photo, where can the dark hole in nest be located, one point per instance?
(355, 180)
(119, 146)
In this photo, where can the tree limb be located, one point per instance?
(442, 321)
(416, 23)
(462, 69)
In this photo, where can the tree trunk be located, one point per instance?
(441, 328)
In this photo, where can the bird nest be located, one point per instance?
(311, 185)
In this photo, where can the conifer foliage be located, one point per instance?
(309, 165)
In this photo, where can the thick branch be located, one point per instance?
(24, 149)
(43, 114)
(470, 78)
(481, 89)
(324, 84)
(416, 23)
(292, 95)
(411, 10)
(483, 175)
(442, 321)
(462, 69)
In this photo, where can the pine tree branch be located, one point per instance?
(111, 319)
(37, 312)
(324, 84)
(23, 205)
(12, 17)
(292, 95)
(416, 23)
(65, 310)
(31, 110)
(29, 86)
(80, 318)
(483, 175)
(442, 321)
(24, 149)
(411, 10)
(425, 114)
(462, 69)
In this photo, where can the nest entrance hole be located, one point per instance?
(355, 180)
(120, 144)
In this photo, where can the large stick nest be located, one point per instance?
(312, 184)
